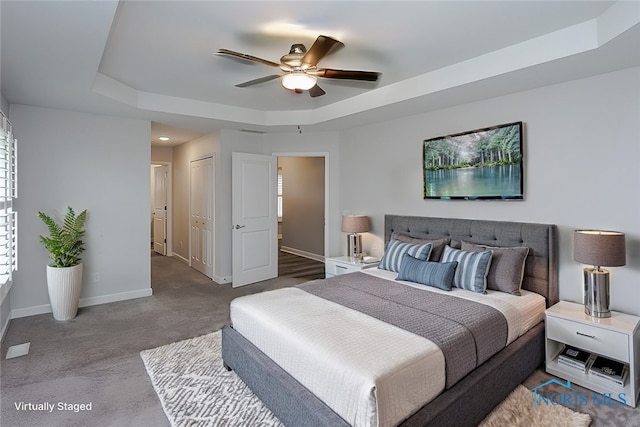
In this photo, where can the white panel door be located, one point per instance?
(201, 189)
(254, 218)
(160, 210)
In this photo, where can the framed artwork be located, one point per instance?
(480, 164)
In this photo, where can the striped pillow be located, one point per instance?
(393, 255)
(472, 270)
(436, 274)
(507, 266)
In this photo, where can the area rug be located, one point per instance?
(518, 410)
(196, 391)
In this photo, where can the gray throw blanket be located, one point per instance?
(467, 332)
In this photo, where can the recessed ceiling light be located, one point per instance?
(163, 138)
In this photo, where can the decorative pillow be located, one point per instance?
(471, 273)
(437, 245)
(507, 266)
(436, 274)
(393, 255)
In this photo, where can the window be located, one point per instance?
(279, 193)
(8, 192)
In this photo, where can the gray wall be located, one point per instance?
(85, 161)
(582, 148)
(581, 169)
(4, 105)
(303, 203)
(581, 155)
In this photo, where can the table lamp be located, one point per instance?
(354, 224)
(600, 249)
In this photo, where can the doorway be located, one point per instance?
(160, 208)
(304, 201)
(255, 246)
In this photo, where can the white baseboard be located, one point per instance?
(302, 253)
(84, 302)
(215, 278)
(222, 279)
(122, 296)
(30, 311)
(181, 258)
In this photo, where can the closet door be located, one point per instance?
(202, 196)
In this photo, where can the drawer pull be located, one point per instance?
(585, 335)
(339, 266)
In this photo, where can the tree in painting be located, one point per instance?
(493, 147)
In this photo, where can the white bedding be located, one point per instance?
(369, 372)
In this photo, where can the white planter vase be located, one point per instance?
(64, 285)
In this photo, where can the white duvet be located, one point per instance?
(369, 372)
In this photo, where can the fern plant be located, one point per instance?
(64, 242)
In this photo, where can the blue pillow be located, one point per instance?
(393, 255)
(436, 274)
(472, 270)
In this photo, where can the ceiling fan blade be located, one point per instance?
(328, 73)
(320, 48)
(246, 57)
(316, 91)
(258, 81)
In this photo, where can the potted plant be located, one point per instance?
(64, 271)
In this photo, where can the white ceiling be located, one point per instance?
(156, 59)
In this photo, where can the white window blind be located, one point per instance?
(8, 192)
(279, 192)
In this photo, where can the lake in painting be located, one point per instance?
(487, 182)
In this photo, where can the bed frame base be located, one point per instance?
(464, 404)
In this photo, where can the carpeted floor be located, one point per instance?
(94, 359)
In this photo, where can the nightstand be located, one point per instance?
(344, 264)
(616, 337)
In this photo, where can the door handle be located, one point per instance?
(239, 226)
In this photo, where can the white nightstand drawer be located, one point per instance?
(336, 269)
(587, 337)
(343, 264)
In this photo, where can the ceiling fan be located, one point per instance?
(301, 67)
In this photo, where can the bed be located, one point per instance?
(461, 395)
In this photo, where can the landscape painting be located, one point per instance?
(480, 164)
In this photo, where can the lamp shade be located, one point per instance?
(355, 223)
(298, 80)
(599, 248)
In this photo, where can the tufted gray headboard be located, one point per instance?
(541, 267)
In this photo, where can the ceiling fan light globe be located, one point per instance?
(299, 81)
